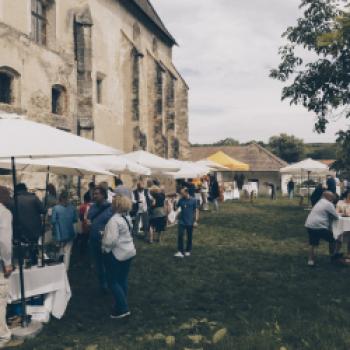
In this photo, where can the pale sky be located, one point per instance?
(226, 50)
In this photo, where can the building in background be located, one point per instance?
(99, 68)
(264, 166)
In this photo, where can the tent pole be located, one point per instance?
(44, 219)
(79, 189)
(24, 320)
(308, 188)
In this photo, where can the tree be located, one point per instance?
(342, 164)
(227, 142)
(287, 147)
(320, 85)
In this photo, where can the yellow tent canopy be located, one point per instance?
(228, 162)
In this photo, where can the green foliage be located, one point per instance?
(343, 155)
(321, 150)
(321, 85)
(287, 147)
(227, 142)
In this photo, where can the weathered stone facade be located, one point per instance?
(99, 68)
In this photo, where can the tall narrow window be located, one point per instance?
(99, 83)
(59, 100)
(39, 21)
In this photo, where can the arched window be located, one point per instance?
(9, 90)
(136, 33)
(58, 100)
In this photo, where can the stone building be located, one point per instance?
(99, 68)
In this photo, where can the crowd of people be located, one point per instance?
(103, 227)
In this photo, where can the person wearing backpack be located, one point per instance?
(118, 251)
(141, 207)
(98, 216)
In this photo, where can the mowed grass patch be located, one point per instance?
(247, 275)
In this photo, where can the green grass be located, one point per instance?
(248, 274)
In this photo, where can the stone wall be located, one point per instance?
(144, 100)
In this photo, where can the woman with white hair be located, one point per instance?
(119, 250)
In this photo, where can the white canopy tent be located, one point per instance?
(307, 169)
(213, 165)
(306, 165)
(21, 138)
(115, 164)
(156, 164)
(59, 166)
(188, 170)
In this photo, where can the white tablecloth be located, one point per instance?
(340, 226)
(49, 280)
(231, 195)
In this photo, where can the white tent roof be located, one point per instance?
(22, 138)
(115, 164)
(153, 162)
(210, 164)
(189, 170)
(306, 165)
(58, 166)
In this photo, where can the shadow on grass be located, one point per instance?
(266, 298)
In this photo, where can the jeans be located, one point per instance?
(66, 251)
(95, 246)
(180, 238)
(291, 194)
(216, 204)
(117, 275)
(144, 218)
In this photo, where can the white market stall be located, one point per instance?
(307, 169)
(21, 138)
(156, 164)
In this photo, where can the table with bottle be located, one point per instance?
(51, 282)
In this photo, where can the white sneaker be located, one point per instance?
(311, 263)
(187, 254)
(179, 255)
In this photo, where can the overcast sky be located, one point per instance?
(226, 49)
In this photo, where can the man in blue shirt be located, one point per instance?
(98, 216)
(64, 216)
(187, 218)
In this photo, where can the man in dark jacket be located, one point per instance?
(331, 184)
(98, 216)
(30, 211)
(214, 192)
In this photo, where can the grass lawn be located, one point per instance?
(248, 274)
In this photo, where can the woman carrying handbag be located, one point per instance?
(119, 250)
